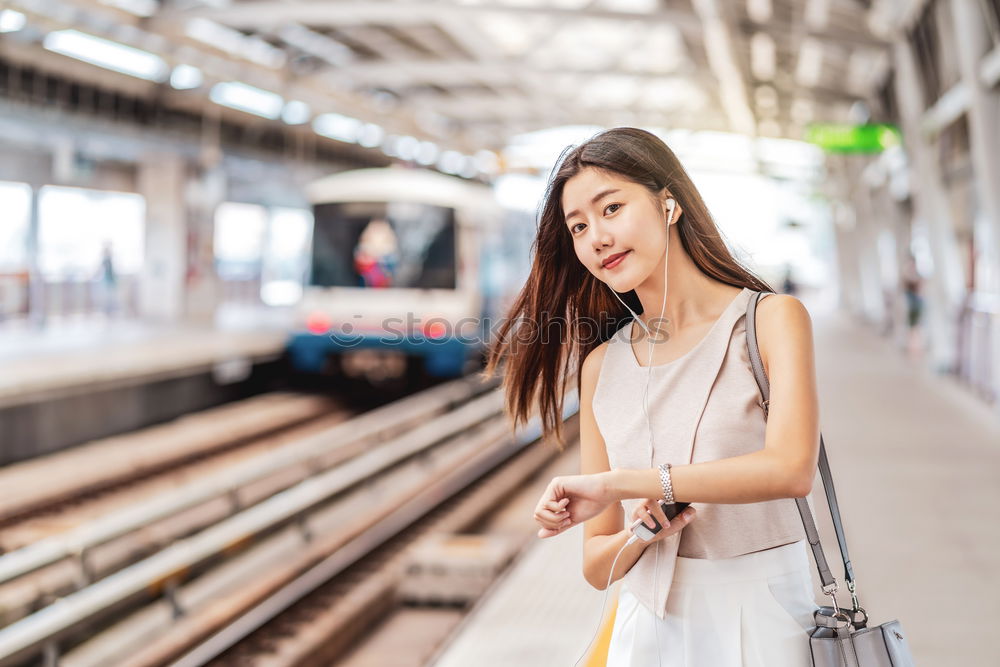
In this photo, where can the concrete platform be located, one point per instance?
(76, 381)
(915, 459)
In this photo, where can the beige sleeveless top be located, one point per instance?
(703, 406)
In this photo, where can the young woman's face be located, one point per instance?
(605, 215)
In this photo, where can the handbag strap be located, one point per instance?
(824, 467)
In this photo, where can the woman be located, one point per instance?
(732, 587)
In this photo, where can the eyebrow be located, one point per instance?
(593, 200)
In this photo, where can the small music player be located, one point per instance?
(646, 532)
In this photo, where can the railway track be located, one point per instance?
(326, 480)
(333, 607)
(57, 535)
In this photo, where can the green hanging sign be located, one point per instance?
(873, 138)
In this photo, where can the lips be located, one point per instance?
(614, 260)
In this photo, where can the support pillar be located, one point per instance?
(973, 43)
(945, 286)
(161, 287)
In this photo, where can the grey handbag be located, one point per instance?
(841, 637)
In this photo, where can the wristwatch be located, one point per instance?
(668, 489)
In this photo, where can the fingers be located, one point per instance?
(553, 516)
(557, 505)
(649, 509)
(657, 512)
(641, 511)
(682, 519)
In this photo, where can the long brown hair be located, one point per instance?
(561, 292)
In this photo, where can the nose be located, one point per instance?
(601, 237)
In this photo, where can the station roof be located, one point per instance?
(469, 74)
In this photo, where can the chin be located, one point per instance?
(621, 284)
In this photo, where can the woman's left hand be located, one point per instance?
(572, 499)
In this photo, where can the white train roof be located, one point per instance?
(400, 185)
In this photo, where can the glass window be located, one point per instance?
(379, 244)
(286, 256)
(76, 226)
(15, 202)
(239, 240)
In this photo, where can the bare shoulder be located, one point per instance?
(783, 322)
(591, 369)
(781, 308)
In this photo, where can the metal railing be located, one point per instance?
(978, 341)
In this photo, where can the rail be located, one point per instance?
(307, 453)
(34, 632)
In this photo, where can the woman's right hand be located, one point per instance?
(648, 507)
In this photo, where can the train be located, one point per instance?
(410, 270)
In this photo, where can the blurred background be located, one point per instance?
(252, 252)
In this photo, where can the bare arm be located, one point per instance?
(603, 535)
(600, 551)
(786, 466)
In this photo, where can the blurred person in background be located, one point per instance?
(621, 215)
(912, 287)
(377, 254)
(107, 281)
(788, 284)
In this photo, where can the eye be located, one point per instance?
(572, 229)
(610, 205)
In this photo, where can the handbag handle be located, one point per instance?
(826, 577)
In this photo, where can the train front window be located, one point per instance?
(379, 244)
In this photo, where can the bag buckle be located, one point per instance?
(854, 598)
(833, 588)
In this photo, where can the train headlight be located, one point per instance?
(318, 322)
(435, 329)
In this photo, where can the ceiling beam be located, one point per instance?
(780, 30)
(720, 51)
(500, 70)
(483, 50)
(268, 13)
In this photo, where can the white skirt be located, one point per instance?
(753, 610)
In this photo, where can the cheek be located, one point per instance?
(584, 260)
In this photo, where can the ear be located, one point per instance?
(671, 217)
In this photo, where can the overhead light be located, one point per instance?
(243, 97)
(370, 135)
(143, 8)
(816, 13)
(11, 21)
(487, 161)
(296, 112)
(469, 167)
(451, 162)
(390, 145)
(427, 152)
(107, 54)
(759, 10)
(762, 56)
(807, 69)
(407, 147)
(186, 77)
(337, 126)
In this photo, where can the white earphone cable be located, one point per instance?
(607, 589)
(649, 366)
